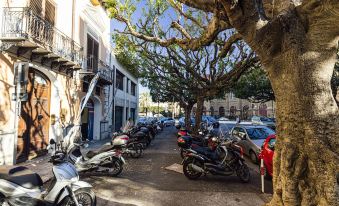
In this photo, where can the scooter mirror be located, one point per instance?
(52, 141)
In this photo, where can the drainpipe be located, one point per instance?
(73, 17)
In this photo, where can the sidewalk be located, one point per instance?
(41, 165)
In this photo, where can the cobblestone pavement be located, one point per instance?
(146, 182)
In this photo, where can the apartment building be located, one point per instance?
(233, 107)
(50, 51)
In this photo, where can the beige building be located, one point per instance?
(50, 51)
(233, 107)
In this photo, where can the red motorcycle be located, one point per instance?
(183, 132)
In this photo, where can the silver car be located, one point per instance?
(251, 138)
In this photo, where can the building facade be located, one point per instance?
(50, 51)
(233, 107)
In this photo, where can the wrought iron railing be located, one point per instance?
(105, 71)
(22, 22)
(94, 65)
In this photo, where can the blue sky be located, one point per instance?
(165, 21)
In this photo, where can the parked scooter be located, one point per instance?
(200, 141)
(141, 135)
(183, 132)
(132, 147)
(21, 187)
(105, 161)
(221, 157)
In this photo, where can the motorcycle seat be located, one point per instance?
(21, 176)
(207, 152)
(102, 149)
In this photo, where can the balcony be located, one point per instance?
(95, 66)
(29, 37)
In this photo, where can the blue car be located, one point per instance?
(182, 121)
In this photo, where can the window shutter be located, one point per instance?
(50, 12)
(36, 6)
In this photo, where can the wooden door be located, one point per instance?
(33, 128)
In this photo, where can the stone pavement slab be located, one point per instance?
(175, 167)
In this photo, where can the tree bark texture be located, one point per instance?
(298, 50)
(306, 161)
(198, 114)
(188, 110)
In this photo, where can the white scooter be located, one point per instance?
(105, 161)
(21, 187)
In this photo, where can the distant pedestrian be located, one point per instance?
(129, 124)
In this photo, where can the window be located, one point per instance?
(132, 114)
(133, 88)
(127, 88)
(85, 86)
(127, 113)
(271, 143)
(120, 80)
(36, 6)
(221, 111)
(259, 133)
(238, 132)
(97, 90)
(50, 12)
(92, 54)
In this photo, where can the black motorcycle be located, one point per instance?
(132, 148)
(221, 157)
(140, 135)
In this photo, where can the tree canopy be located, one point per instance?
(254, 86)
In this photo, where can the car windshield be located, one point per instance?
(265, 119)
(213, 119)
(259, 132)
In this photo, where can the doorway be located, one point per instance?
(87, 121)
(119, 111)
(33, 125)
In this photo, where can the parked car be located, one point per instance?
(263, 121)
(210, 121)
(221, 119)
(267, 152)
(273, 119)
(251, 137)
(182, 121)
(169, 122)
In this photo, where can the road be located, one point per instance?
(147, 182)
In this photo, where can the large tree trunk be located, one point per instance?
(188, 110)
(306, 160)
(198, 114)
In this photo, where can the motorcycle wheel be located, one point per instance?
(136, 149)
(182, 153)
(115, 167)
(188, 171)
(152, 135)
(243, 172)
(3, 201)
(84, 196)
